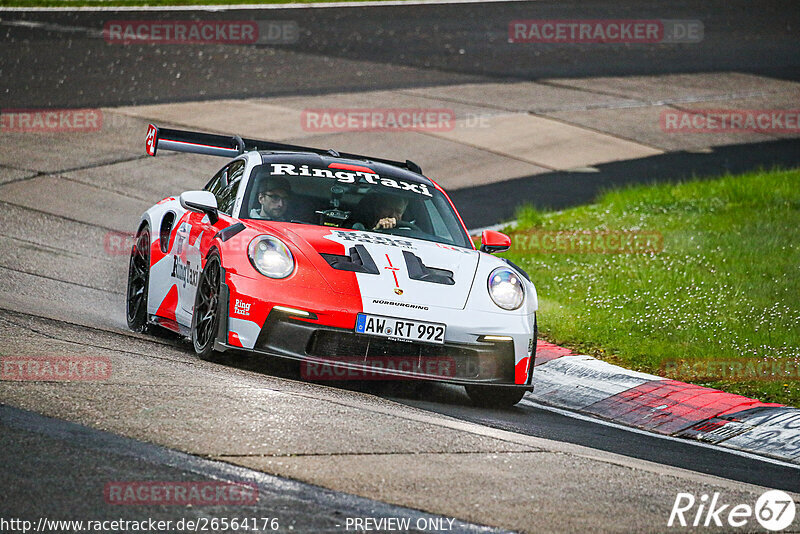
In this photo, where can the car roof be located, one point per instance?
(320, 161)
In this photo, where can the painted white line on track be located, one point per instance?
(92, 32)
(239, 7)
(495, 227)
(574, 415)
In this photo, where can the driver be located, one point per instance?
(389, 210)
(274, 199)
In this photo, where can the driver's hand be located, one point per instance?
(386, 222)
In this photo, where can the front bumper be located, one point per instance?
(338, 354)
(329, 348)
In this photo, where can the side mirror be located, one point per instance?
(492, 242)
(201, 202)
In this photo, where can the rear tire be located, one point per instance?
(494, 396)
(138, 280)
(205, 319)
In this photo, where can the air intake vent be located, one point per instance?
(425, 358)
(359, 261)
(419, 271)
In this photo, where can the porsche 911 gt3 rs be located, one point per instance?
(333, 259)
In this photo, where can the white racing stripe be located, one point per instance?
(574, 415)
(494, 227)
(239, 7)
(393, 273)
(47, 26)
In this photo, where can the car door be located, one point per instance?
(196, 231)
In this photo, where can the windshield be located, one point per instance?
(350, 196)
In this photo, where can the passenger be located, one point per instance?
(274, 199)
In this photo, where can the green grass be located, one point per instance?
(726, 285)
(126, 3)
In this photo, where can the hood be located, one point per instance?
(389, 267)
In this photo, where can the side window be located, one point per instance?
(439, 226)
(227, 195)
(215, 185)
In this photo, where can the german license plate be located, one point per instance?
(404, 329)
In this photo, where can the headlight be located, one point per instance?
(271, 257)
(505, 288)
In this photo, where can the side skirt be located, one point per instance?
(220, 343)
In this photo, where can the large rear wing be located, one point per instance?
(233, 145)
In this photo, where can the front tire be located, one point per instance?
(494, 396)
(205, 319)
(138, 280)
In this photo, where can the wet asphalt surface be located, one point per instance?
(53, 470)
(59, 60)
(62, 59)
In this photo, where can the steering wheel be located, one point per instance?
(406, 225)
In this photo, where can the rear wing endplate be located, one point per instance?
(233, 145)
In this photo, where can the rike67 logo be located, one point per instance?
(774, 511)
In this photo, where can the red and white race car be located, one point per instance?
(345, 262)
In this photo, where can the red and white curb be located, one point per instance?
(668, 407)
